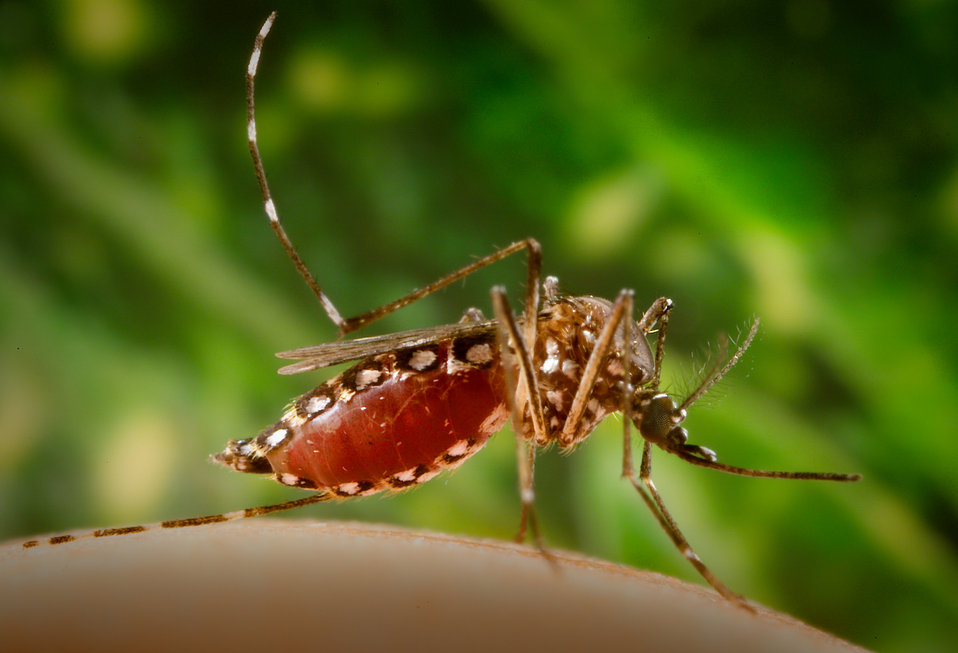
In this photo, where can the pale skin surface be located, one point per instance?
(272, 584)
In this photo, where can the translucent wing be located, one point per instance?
(332, 353)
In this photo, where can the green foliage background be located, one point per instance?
(794, 160)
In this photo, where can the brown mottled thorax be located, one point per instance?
(567, 332)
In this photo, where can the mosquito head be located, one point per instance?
(659, 419)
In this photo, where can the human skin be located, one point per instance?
(272, 584)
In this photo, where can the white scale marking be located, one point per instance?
(458, 449)
(349, 488)
(271, 210)
(479, 354)
(317, 403)
(422, 359)
(407, 476)
(550, 365)
(277, 437)
(365, 377)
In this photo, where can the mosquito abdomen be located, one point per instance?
(389, 422)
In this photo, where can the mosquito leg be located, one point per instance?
(264, 185)
(654, 313)
(526, 456)
(646, 489)
(550, 287)
(603, 344)
(182, 523)
(530, 315)
(508, 331)
(525, 388)
(627, 391)
(528, 383)
(347, 325)
(535, 258)
(659, 312)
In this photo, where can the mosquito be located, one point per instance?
(422, 402)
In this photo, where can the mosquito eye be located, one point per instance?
(656, 422)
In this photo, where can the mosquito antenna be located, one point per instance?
(264, 186)
(713, 377)
(719, 356)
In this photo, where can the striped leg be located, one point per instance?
(646, 489)
(246, 513)
(521, 392)
(348, 325)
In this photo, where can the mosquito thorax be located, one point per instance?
(581, 318)
(567, 333)
(578, 319)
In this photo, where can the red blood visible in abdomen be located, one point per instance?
(396, 426)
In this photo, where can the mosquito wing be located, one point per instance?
(332, 353)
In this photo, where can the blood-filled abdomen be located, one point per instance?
(387, 423)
